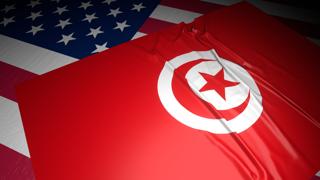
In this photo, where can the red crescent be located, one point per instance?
(185, 95)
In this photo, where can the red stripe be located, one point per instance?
(153, 25)
(10, 76)
(192, 5)
(14, 165)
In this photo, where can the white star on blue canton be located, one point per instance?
(7, 21)
(114, 12)
(35, 29)
(108, 1)
(138, 7)
(66, 38)
(90, 17)
(34, 16)
(100, 48)
(85, 5)
(95, 32)
(34, 3)
(61, 10)
(8, 8)
(121, 26)
(63, 23)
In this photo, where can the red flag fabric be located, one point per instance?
(232, 95)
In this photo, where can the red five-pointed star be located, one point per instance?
(217, 83)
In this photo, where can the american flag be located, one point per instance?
(39, 36)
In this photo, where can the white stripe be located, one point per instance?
(138, 35)
(30, 57)
(173, 15)
(318, 174)
(11, 129)
(223, 2)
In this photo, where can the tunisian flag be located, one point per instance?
(233, 95)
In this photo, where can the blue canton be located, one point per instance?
(71, 27)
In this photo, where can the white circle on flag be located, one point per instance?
(236, 95)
